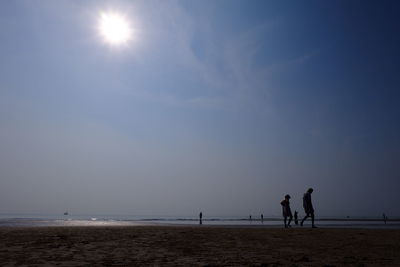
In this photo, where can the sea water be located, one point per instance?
(29, 220)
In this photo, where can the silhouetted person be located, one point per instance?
(201, 218)
(286, 212)
(250, 218)
(262, 218)
(384, 218)
(308, 207)
(296, 221)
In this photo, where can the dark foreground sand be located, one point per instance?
(189, 245)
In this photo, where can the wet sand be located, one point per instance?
(200, 246)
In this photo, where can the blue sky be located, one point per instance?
(220, 106)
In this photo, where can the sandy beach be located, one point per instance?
(200, 246)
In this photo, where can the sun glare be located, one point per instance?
(114, 28)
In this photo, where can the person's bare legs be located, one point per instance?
(312, 220)
(305, 218)
(290, 219)
(311, 214)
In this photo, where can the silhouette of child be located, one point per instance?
(286, 212)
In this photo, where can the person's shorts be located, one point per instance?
(287, 214)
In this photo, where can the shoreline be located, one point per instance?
(230, 226)
(26, 223)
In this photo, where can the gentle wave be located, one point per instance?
(68, 220)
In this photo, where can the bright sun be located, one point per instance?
(114, 28)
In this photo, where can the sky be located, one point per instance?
(215, 106)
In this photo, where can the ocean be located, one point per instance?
(29, 220)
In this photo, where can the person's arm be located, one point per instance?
(310, 203)
(306, 201)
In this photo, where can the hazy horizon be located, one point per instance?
(222, 107)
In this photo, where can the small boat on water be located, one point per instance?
(66, 213)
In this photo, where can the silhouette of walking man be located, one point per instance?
(286, 212)
(201, 218)
(262, 218)
(308, 207)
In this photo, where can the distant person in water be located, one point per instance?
(250, 218)
(201, 218)
(296, 220)
(262, 218)
(384, 218)
(308, 207)
(286, 212)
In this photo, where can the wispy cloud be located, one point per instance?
(225, 68)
